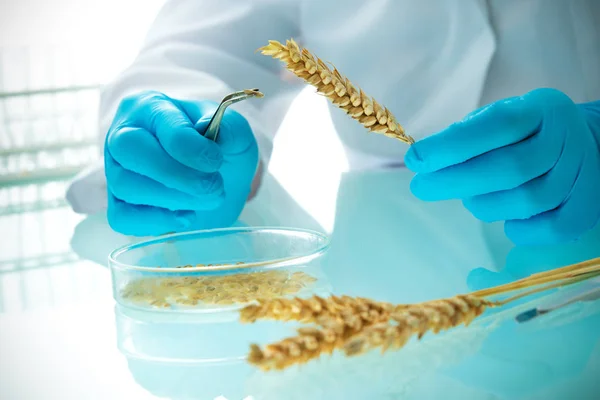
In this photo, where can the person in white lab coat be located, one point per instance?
(525, 73)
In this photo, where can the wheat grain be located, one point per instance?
(417, 320)
(337, 88)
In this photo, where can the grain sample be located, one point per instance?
(228, 289)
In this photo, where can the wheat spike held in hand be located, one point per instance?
(337, 88)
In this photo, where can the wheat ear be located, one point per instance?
(357, 325)
(365, 323)
(337, 88)
(310, 343)
(313, 309)
(444, 314)
(417, 320)
(337, 328)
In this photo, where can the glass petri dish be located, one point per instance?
(219, 269)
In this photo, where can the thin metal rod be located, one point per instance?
(589, 295)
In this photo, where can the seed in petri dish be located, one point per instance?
(187, 302)
(227, 289)
(289, 290)
(160, 303)
(187, 291)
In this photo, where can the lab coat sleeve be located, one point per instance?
(199, 50)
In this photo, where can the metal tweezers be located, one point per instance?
(212, 131)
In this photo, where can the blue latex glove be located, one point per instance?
(164, 176)
(532, 161)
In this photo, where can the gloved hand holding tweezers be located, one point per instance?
(176, 165)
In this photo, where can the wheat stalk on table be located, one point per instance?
(356, 332)
(357, 325)
(337, 88)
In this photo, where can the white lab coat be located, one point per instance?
(430, 62)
